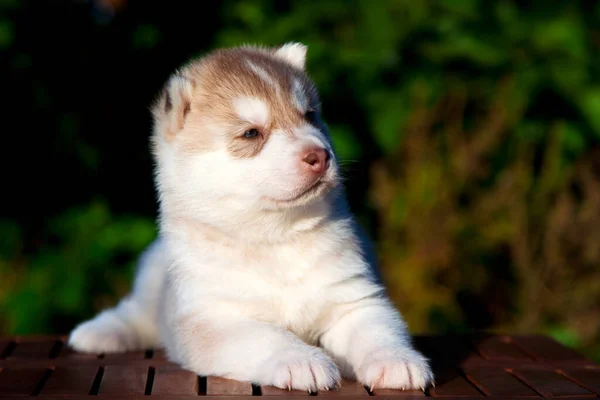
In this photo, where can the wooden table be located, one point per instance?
(466, 367)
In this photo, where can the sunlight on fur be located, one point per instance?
(260, 272)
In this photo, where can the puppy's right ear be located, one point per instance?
(172, 105)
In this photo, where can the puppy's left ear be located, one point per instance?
(172, 106)
(293, 53)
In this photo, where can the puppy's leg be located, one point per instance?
(253, 351)
(131, 325)
(372, 339)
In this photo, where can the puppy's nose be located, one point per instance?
(317, 160)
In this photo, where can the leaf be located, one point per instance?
(590, 105)
(7, 34)
(388, 117)
(345, 144)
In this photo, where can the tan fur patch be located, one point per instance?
(244, 148)
(195, 138)
(225, 75)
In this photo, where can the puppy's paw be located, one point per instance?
(303, 368)
(101, 337)
(395, 369)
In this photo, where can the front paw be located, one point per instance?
(101, 336)
(303, 368)
(395, 369)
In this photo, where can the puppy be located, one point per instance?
(259, 273)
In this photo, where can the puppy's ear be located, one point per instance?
(172, 105)
(293, 53)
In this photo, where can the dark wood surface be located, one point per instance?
(466, 367)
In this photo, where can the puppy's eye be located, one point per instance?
(311, 116)
(251, 133)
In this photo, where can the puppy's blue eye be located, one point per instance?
(251, 133)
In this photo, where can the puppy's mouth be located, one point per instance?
(318, 188)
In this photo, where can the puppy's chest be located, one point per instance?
(286, 286)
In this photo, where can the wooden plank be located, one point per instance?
(347, 388)
(274, 391)
(124, 357)
(168, 397)
(498, 382)
(21, 382)
(120, 379)
(70, 380)
(450, 383)
(67, 352)
(159, 355)
(586, 377)
(498, 348)
(398, 393)
(447, 351)
(5, 347)
(551, 384)
(169, 380)
(33, 349)
(227, 387)
(544, 348)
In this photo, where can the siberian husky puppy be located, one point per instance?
(259, 273)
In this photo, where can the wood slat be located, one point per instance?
(21, 382)
(122, 379)
(347, 388)
(446, 354)
(398, 393)
(447, 351)
(450, 383)
(124, 358)
(159, 355)
(274, 391)
(67, 352)
(227, 387)
(498, 348)
(498, 382)
(174, 381)
(551, 384)
(4, 347)
(33, 349)
(70, 380)
(587, 377)
(544, 348)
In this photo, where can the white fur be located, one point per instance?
(293, 53)
(252, 281)
(251, 109)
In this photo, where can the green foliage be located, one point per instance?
(65, 278)
(6, 33)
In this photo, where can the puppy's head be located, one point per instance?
(240, 131)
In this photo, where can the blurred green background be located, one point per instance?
(469, 133)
